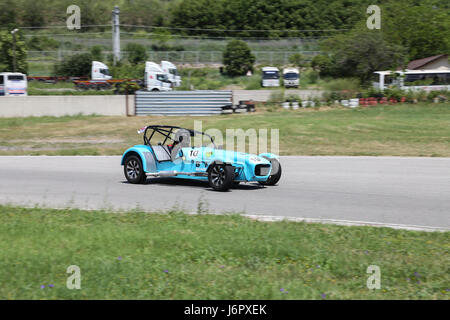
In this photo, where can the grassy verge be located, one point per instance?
(136, 255)
(36, 88)
(398, 130)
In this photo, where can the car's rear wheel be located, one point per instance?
(220, 177)
(133, 170)
(274, 178)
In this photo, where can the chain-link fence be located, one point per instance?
(181, 51)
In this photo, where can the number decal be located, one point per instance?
(193, 153)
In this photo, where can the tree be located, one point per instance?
(8, 12)
(78, 65)
(7, 52)
(97, 53)
(423, 28)
(237, 58)
(298, 60)
(33, 15)
(136, 53)
(323, 64)
(361, 52)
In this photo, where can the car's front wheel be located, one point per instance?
(220, 177)
(133, 170)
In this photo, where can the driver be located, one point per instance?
(182, 140)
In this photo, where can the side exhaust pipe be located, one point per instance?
(167, 174)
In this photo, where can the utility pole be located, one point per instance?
(14, 48)
(116, 34)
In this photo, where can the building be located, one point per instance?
(434, 62)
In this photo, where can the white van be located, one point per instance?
(270, 77)
(155, 78)
(100, 71)
(291, 77)
(172, 72)
(13, 84)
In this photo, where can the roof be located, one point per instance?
(416, 64)
(12, 73)
(438, 70)
(270, 69)
(286, 70)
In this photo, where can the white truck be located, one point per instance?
(270, 77)
(13, 84)
(172, 73)
(155, 79)
(100, 71)
(291, 77)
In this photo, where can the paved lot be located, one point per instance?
(389, 190)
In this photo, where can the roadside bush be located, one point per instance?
(394, 94)
(237, 58)
(308, 77)
(294, 98)
(78, 65)
(136, 53)
(127, 87)
(351, 84)
(253, 83)
(276, 97)
(442, 95)
(125, 70)
(421, 95)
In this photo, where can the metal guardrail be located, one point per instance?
(200, 102)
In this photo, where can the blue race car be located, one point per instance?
(170, 151)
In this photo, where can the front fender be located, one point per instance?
(269, 155)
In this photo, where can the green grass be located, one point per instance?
(37, 88)
(394, 130)
(124, 256)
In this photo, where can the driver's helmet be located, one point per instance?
(183, 137)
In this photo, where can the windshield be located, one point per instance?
(162, 77)
(291, 76)
(271, 75)
(15, 77)
(173, 71)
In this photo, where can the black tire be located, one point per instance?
(273, 179)
(133, 170)
(220, 177)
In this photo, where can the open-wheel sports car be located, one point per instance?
(170, 151)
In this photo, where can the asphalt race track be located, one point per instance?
(385, 190)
